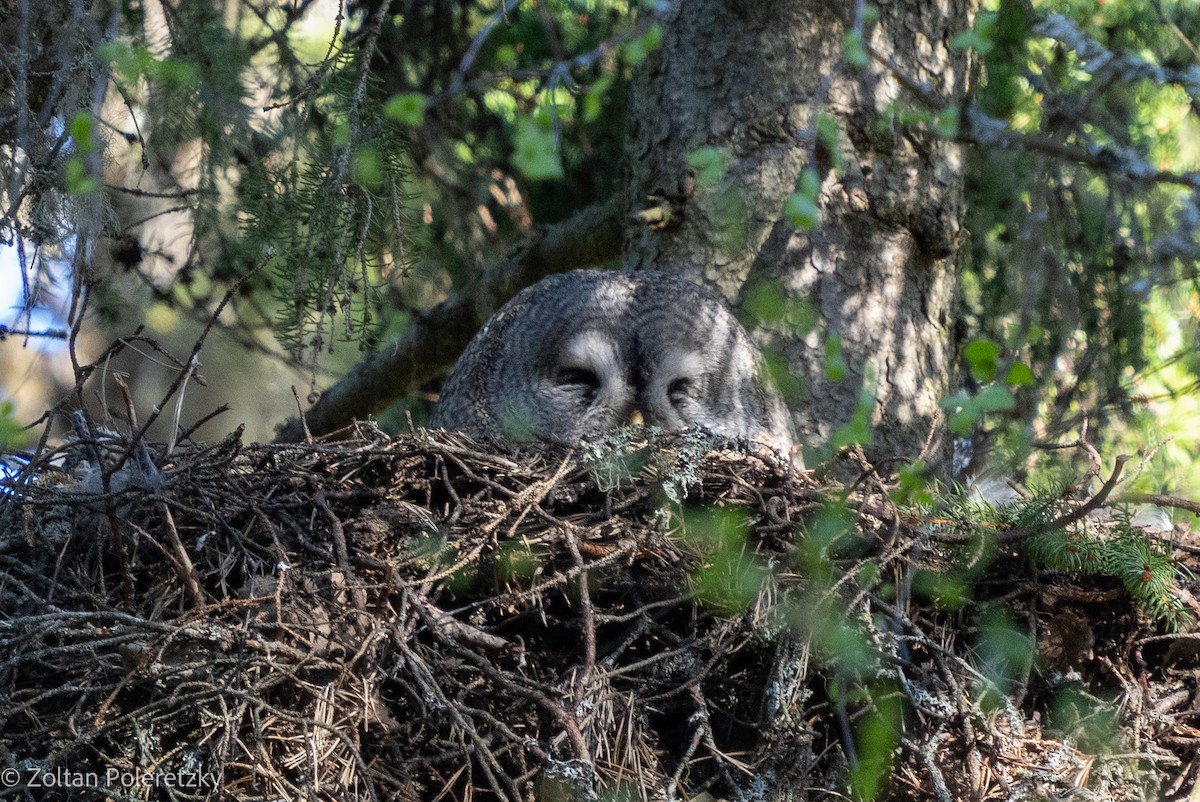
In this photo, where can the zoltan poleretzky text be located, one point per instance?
(35, 777)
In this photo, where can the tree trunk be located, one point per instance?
(750, 78)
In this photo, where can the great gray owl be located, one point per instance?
(579, 353)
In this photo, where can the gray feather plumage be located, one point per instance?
(578, 353)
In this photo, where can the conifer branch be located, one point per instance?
(435, 339)
(1077, 514)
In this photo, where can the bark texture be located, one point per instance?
(750, 78)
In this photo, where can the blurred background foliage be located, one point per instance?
(344, 166)
(1085, 274)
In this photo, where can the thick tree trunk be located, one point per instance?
(750, 78)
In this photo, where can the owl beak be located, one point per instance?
(636, 418)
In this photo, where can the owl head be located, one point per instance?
(583, 353)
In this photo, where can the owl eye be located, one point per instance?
(681, 389)
(579, 380)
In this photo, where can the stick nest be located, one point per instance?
(420, 619)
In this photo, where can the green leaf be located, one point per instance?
(854, 50)
(80, 129)
(995, 398)
(809, 184)
(368, 167)
(79, 179)
(1097, 728)
(778, 374)
(914, 485)
(730, 576)
(835, 363)
(173, 71)
(827, 134)
(801, 212)
(1004, 649)
(506, 57)
(959, 399)
(730, 582)
(709, 164)
(971, 409)
(730, 214)
(123, 59)
(978, 38)
(877, 733)
(593, 101)
(970, 40)
(802, 317)
(131, 63)
(947, 592)
(341, 134)
(517, 561)
(407, 108)
(11, 432)
(1019, 375)
(635, 51)
(962, 421)
(914, 117)
(765, 301)
(981, 355)
(827, 130)
(857, 430)
(536, 154)
(946, 123)
(832, 523)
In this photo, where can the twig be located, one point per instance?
(587, 616)
(183, 563)
(341, 552)
(1077, 514)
